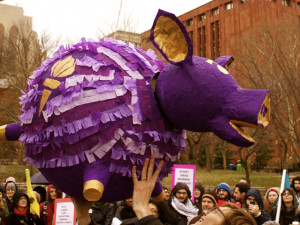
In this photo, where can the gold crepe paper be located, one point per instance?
(228, 63)
(2, 133)
(170, 39)
(63, 68)
(93, 190)
(244, 124)
(53, 84)
(241, 132)
(261, 119)
(45, 96)
(222, 69)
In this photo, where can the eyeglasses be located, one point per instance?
(284, 194)
(23, 198)
(181, 193)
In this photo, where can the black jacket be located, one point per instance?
(30, 219)
(265, 216)
(102, 213)
(149, 220)
(178, 219)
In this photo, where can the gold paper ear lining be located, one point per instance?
(170, 39)
(241, 132)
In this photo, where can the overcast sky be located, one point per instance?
(81, 18)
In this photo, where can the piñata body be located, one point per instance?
(90, 114)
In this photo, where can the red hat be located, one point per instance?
(48, 188)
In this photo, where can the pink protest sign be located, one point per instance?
(184, 174)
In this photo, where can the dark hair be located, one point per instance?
(243, 188)
(293, 181)
(237, 216)
(42, 192)
(163, 211)
(58, 194)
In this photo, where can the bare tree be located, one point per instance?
(22, 51)
(268, 57)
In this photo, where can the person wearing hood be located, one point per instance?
(180, 204)
(102, 213)
(223, 192)
(126, 214)
(3, 207)
(253, 204)
(271, 198)
(20, 212)
(295, 186)
(10, 189)
(47, 207)
(199, 191)
(289, 211)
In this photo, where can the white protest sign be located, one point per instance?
(184, 174)
(64, 212)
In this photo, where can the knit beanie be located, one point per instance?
(224, 186)
(212, 196)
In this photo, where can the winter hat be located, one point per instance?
(212, 196)
(224, 186)
(10, 185)
(48, 188)
(10, 179)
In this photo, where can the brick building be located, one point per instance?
(214, 26)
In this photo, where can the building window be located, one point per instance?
(200, 34)
(229, 6)
(214, 51)
(244, 1)
(285, 2)
(298, 5)
(191, 36)
(190, 22)
(204, 51)
(204, 38)
(219, 51)
(218, 30)
(202, 17)
(200, 52)
(215, 11)
(213, 31)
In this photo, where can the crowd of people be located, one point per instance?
(242, 205)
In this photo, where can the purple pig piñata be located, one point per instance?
(97, 108)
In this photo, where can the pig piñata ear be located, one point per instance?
(225, 61)
(170, 37)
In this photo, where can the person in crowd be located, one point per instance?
(209, 201)
(166, 193)
(253, 204)
(289, 211)
(271, 223)
(161, 211)
(243, 180)
(295, 185)
(180, 204)
(240, 191)
(20, 212)
(47, 207)
(125, 213)
(42, 192)
(223, 191)
(227, 214)
(3, 205)
(102, 213)
(271, 198)
(10, 189)
(199, 191)
(37, 196)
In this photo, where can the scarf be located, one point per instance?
(187, 209)
(20, 212)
